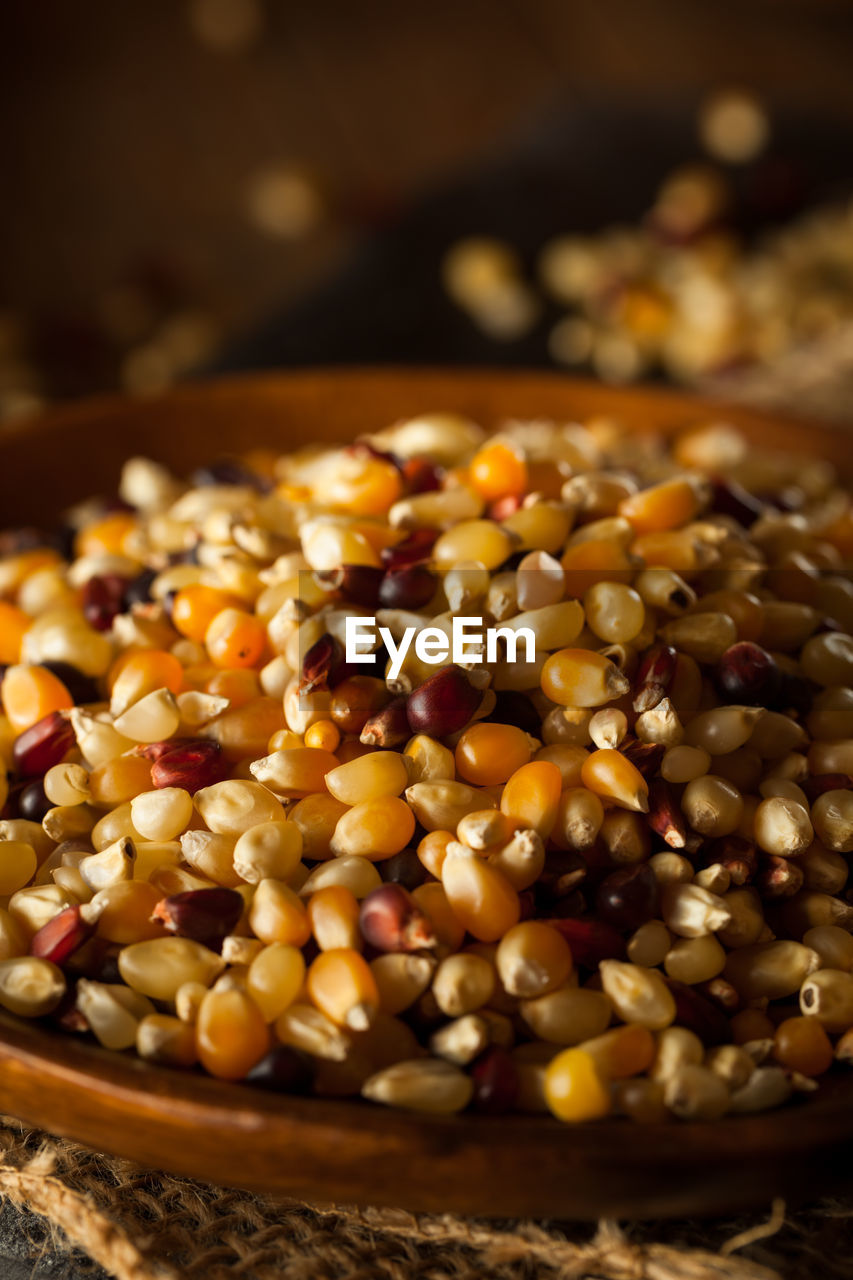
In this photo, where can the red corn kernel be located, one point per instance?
(60, 937)
(421, 476)
(388, 727)
(103, 599)
(391, 921)
(409, 588)
(190, 765)
(495, 1082)
(43, 745)
(644, 756)
(654, 676)
(695, 1012)
(747, 674)
(205, 915)
(444, 703)
(321, 664)
(734, 853)
(665, 816)
(590, 941)
(821, 782)
(415, 549)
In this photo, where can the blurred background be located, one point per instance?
(641, 191)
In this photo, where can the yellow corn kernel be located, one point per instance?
(275, 978)
(379, 773)
(374, 829)
(480, 896)
(574, 1090)
(276, 913)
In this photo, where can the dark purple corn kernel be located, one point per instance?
(282, 1070)
(138, 590)
(699, 1015)
(409, 588)
(443, 704)
(356, 583)
(205, 915)
(405, 868)
(730, 499)
(628, 897)
(103, 599)
(513, 707)
(33, 804)
(82, 688)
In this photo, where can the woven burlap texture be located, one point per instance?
(143, 1225)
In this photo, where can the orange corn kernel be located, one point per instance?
(668, 549)
(662, 506)
(105, 537)
(196, 606)
(238, 684)
(324, 734)
(432, 851)
(497, 469)
(480, 896)
(31, 693)
(13, 623)
(235, 638)
(364, 486)
(231, 1035)
(531, 796)
(143, 672)
(611, 775)
(801, 1044)
(588, 562)
(487, 754)
(333, 913)
(340, 983)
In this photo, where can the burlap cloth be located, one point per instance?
(101, 1215)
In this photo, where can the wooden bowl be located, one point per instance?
(351, 1151)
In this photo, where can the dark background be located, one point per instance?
(130, 139)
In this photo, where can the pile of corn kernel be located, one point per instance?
(611, 880)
